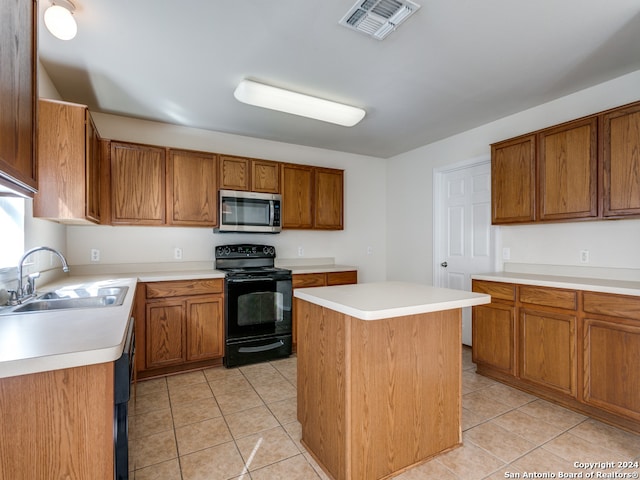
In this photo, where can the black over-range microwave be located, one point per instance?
(249, 212)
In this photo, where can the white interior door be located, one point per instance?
(463, 236)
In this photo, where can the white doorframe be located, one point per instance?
(438, 187)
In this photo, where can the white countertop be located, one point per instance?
(41, 341)
(375, 301)
(622, 287)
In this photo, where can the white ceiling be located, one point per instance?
(454, 65)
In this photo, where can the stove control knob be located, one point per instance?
(227, 250)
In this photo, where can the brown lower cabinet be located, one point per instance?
(302, 280)
(576, 348)
(182, 326)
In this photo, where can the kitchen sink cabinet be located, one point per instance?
(612, 353)
(568, 171)
(585, 169)
(576, 348)
(621, 161)
(18, 106)
(191, 188)
(303, 280)
(183, 325)
(137, 184)
(68, 164)
(58, 424)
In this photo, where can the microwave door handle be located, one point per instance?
(271, 212)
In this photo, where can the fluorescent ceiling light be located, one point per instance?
(59, 19)
(266, 96)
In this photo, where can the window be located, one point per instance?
(12, 228)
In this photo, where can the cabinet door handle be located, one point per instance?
(444, 264)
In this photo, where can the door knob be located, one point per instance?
(444, 264)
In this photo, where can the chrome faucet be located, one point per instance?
(29, 290)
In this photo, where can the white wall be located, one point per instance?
(410, 197)
(364, 217)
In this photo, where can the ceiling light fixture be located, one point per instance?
(266, 96)
(59, 19)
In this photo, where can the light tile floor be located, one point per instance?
(241, 424)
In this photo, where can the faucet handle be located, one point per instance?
(30, 287)
(13, 297)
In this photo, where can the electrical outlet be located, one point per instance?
(177, 253)
(300, 252)
(584, 256)
(369, 250)
(95, 255)
(506, 253)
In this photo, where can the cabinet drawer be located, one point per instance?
(342, 278)
(309, 280)
(613, 305)
(504, 291)
(550, 297)
(184, 287)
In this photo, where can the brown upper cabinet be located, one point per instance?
(68, 164)
(297, 196)
(249, 174)
(621, 161)
(137, 184)
(18, 106)
(585, 169)
(329, 199)
(513, 172)
(568, 171)
(191, 188)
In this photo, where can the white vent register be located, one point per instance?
(378, 18)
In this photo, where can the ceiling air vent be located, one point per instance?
(378, 18)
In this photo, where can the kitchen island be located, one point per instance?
(379, 375)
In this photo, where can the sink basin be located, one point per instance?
(71, 299)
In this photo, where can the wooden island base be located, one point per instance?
(376, 397)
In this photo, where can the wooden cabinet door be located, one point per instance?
(513, 166)
(611, 360)
(494, 336)
(297, 196)
(548, 350)
(93, 162)
(165, 333)
(205, 323)
(621, 161)
(137, 184)
(191, 188)
(568, 171)
(265, 176)
(18, 57)
(234, 173)
(329, 199)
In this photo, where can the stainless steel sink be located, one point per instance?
(72, 299)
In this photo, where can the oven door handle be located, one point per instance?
(261, 348)
(254, 279)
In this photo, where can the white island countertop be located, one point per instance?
(375, 301)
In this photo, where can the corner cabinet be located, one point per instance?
(68, 164)
(182, 327)
(18, 105)
(586, 169)
(137, 184)
(579, 349)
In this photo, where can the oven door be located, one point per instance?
(257, 306)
